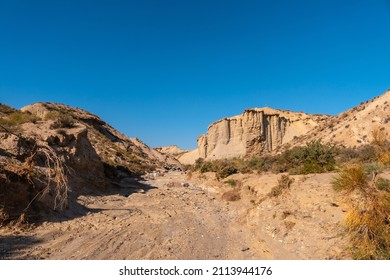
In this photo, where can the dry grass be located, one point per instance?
(284, 184)
(42, 172)
(350, 179)
(378, 136)
(368, 222)
(384, 157)
(369, 229)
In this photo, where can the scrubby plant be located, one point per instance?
(350, 179)
(61, 120)
(231, 182)
(378, 136)
(207, 167)
(368, 221)
(315, 157)
(17, 118)
(284, 183)
(226, 171)
(384, 157)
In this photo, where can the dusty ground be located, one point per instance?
(164, 219)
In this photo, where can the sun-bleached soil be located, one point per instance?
(161, 220)
(176, 216)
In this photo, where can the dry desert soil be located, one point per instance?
(176, 216)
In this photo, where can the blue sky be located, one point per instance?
(163, 71)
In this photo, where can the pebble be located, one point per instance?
(244, 248)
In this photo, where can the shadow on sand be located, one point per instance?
(75, 209)
(11, 246)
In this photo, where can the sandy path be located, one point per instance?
(167, 221)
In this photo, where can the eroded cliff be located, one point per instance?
(254, 132)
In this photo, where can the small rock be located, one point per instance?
(244, 248)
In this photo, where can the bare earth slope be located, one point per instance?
(354, 127)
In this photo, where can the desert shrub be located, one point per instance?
(365, 154)
(284, 183)
(226, 171)
(222, 168)
(315, 157)
(384, 157)
(350, 179)
(378, 136)
(368, 222)
(262, 164)
(369, 227)
(61, 120)
(231, 182)
(207, 167)
(17, 118)
(373, 168)
(383, 184)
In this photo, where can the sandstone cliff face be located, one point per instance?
(254, 132)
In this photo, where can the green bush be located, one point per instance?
(315, 157)
(383, 184)
(207, 167)
(231, 182)
(226, 171)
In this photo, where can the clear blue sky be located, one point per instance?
(162, 71)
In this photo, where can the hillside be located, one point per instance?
(51, 152)
(355, 127)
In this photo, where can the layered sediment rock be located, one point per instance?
(254, 132)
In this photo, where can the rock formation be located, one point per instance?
(254, 132)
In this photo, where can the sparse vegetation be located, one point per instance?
(383, 184)
(284, 183)
(39, 174)
(368, 221)
(315, 157)
(15, 118)
(61, 120)
(231, 182)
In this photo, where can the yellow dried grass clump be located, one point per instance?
(384, 158)
(368, 222)
(369, 229)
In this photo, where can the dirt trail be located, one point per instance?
(166, 221)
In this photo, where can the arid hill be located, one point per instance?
(355, 127)
(51, 151)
